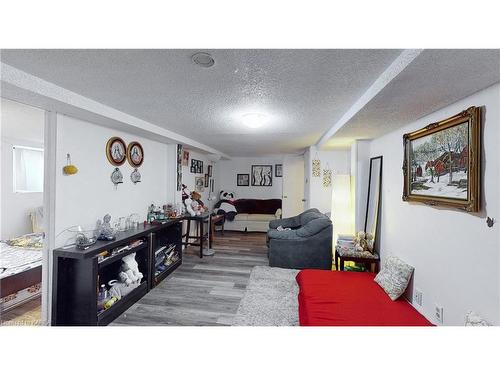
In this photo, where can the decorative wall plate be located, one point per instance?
(135, 154)
(116, 177)
(135, 176)
(116, 151)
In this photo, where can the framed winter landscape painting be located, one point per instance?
(262, 175)
(442, 163)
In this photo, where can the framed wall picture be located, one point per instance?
(193, 167)
(199, 183)
(135, 154)
(442, 162)
(200, 166)
(243, 179)
(185, 158)
(210, 171)
(180, 155)
(262, 175)
(206, 179)
(116, 151)
(278, 170)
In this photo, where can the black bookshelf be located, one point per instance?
(79, 273)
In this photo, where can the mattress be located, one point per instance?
(14, 259)
(335, 298)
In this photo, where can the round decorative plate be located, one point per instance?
(116, 151)
(135, 176)
(135, 154)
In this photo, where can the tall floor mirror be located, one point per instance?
(374, 197)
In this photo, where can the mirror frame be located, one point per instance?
(375, 236)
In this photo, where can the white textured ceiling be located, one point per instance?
(301, 91)
(435, 79)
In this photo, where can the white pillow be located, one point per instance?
(394, 277)
(277, 214)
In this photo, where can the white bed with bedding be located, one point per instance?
(20, 270)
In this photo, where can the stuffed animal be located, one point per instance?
(188, 203)
(226, 205)
(364, 242)
(226, 196)
(197, 204)
(129, 271)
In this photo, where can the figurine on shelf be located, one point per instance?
(129, 271)
(106, 233)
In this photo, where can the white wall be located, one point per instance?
(320, 197)
(21, 125)
(83, 198)
(228, 169)
(455, 254)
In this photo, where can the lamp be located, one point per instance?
(342, 211)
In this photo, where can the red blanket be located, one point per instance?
(337, 298)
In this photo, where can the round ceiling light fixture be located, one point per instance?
(254, 120)
(203, 59)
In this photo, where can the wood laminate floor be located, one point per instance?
(202, 292)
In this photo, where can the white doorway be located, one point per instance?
(293, 185)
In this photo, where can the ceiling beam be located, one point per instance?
(29, 89)
(397, 66)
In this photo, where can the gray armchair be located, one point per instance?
(296, 221)
(307, 246)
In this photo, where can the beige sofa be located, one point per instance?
(254, 215)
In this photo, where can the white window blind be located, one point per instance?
(28, 169)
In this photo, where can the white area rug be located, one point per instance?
(270, 299)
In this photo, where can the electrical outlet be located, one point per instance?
(419, 295)
(439, 314)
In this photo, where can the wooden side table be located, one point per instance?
(201, 236)
(365, 257)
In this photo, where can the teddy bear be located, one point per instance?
(197, 204)
(129, 271)
(364, 241)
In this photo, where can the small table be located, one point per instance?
(201, 235)
(351, 255)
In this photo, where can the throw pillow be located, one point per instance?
(394, 277)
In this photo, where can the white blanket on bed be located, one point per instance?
(16, 259)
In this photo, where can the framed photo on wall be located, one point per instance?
(185, 158)
(243, 179)
(199, 183)
(210, 171)
(278, 170)
(442, 162)
(206, 179)
(262, 175)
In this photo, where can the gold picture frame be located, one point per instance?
(116, 151)
(135, 154)
(442, 162)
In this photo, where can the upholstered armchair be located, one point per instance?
(296, 221)
(307, 246)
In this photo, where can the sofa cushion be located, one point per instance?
(314, 226)
(394, 277)
(260, 217)
(241, 217)
(257, 206)
(308, 216)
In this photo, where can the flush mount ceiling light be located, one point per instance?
(203, 59)
(254, 120)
